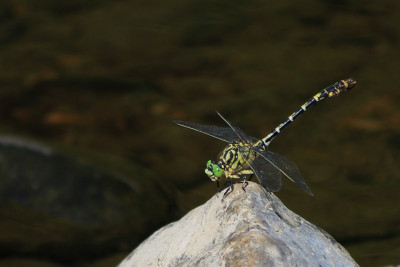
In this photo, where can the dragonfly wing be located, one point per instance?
(222, 133)
(240, 134)
(286, 167)
(268, 176)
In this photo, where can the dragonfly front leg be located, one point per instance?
(229, 189)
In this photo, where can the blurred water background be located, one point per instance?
(91, 164)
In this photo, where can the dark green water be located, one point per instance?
(102, 81)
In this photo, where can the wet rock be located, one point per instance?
(39, 178)
(244, 229)
(65, 209)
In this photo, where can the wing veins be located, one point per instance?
(221, 133)
(300, 182)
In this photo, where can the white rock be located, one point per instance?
(251, 228)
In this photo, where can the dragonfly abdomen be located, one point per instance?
(330, 91)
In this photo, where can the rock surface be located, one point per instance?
(244, 229)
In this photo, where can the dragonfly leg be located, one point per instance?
(229, 189)
(242, 175)
(244, 184)
(251, 176)
(228, 181)
(227, 192)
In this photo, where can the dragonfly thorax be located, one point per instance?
(231, 161)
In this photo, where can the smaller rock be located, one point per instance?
(251, 228)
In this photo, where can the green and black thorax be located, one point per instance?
(236, 157)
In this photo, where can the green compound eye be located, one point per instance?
(217, 170)
(208, 164)
(213, 170)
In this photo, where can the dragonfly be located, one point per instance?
(245, 155)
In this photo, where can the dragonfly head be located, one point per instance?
(213, 171)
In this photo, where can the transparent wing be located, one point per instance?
(268, 176)
(286, 167)
(240, 134)
(222, 133)
(228, 134)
